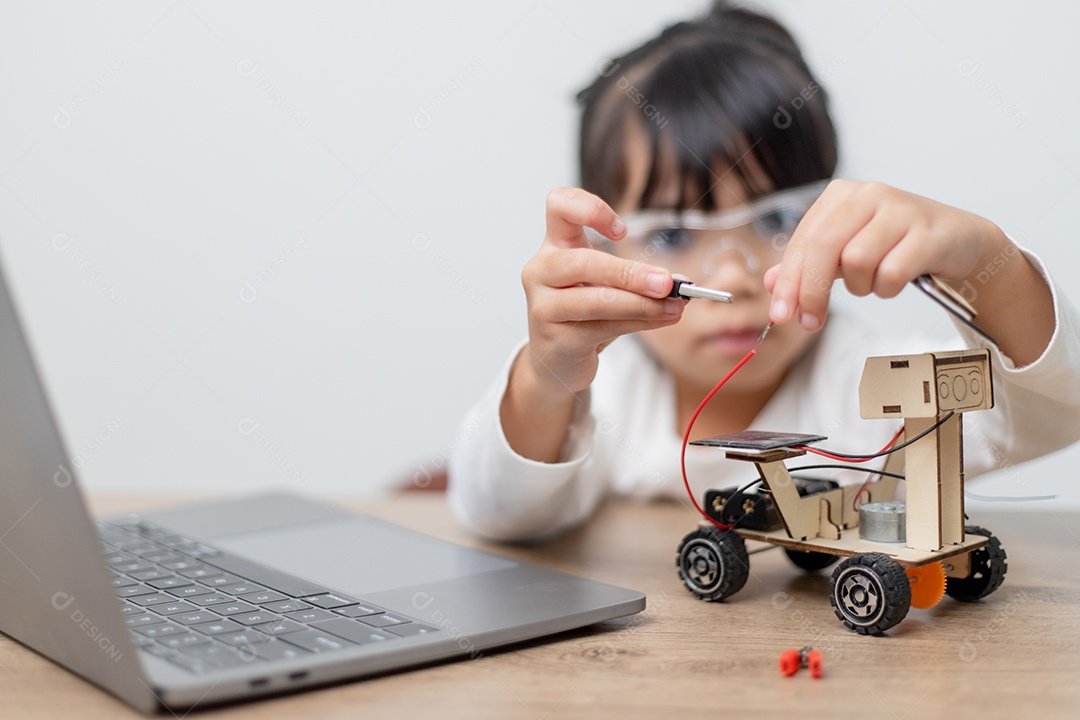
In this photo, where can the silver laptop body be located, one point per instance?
(330, 595)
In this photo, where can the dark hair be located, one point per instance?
(706, 92)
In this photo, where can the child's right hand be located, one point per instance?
(581, 298)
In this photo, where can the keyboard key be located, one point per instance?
(184, 564)
(160, 555)
(132, 591)
(170, 540)
(310, 615)
(410, 629)
(255, 618)
(234, 608)
(360, 610)
(329, 601)
(179, 606)
(169, 582)
(251, 636)
(351, 630)
(285, 606)
(120, 581)
(218, 627)
(141, 641)
(144, 619)
(384, 620)
(155, 599)
(220, 580)
(134, 545)
(149, 530)
(219, 656)
(281, 627)
(129, 609)
(199, 572)
(258, 598)
(184, 546)
(240, 588)
(160, 631)
(194, 618)
(287, 584)
(199, 551)
(212, 598)
(154, 574)
(130, 566)
(178, 642)
(189, 591)
(148, 645)
(278, 650)
(315, 641)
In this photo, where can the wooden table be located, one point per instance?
(1015, 655)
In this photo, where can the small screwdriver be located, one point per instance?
(687, 289)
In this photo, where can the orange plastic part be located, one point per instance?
(789, 662)
(792, 660)
(927, 585)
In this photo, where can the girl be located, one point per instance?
(695, 161)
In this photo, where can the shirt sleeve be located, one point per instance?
(501, 495)
(1036, 406)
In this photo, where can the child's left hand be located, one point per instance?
(878, 239)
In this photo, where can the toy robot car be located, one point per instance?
(893, 555)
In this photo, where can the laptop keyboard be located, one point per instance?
(203, 609)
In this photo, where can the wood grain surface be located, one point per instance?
(1014, 655)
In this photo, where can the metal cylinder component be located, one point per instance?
(882, 522)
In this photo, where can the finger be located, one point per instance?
(786, 282)
(588, 303)
(565, 268)
(862, 255)
(905, 262)
(607, 330)
(580, 338)
(770, 278)
(819, 251)
(570, 209)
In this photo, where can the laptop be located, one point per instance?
(240, 598)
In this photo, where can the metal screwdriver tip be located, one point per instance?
(764, 332)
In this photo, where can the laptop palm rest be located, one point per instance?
(359, 555)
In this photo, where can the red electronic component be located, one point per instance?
(807, 657)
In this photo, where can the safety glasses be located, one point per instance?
(694, 243)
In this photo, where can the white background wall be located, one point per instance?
(266, 244)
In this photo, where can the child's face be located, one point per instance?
(711, 337)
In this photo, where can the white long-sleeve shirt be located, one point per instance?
(622, 438)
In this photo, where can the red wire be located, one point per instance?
(823, 453)
(855, 500)
(689, 427)
(853, 458)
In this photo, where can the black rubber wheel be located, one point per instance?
(870, 593)
(809, 560)
(987, 572)
(713, 563)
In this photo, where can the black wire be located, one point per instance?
(739, 491)
(748, 485)
(871, 471)
(893, 449)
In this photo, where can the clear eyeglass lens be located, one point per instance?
(694, 242)
(686, 249)
(670, 240)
